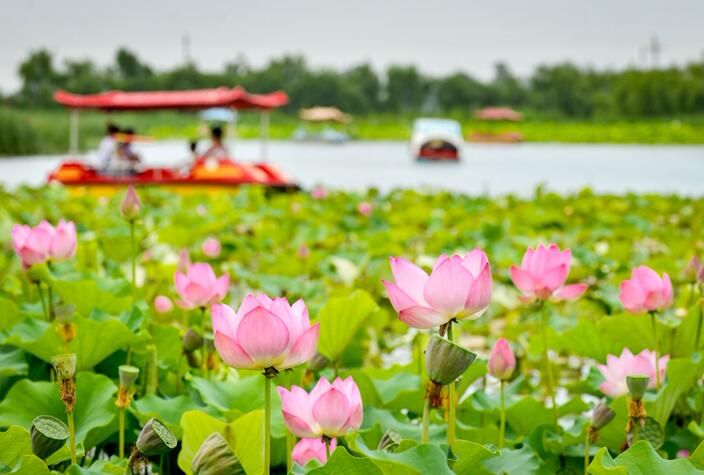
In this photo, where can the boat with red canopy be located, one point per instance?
(210, 173)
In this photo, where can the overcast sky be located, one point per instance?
(439, 36)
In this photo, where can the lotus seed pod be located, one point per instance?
(446, 361)
(155, 438)
(64, 313)
(390, 440)
(65, 365)
(191, 340)
(128, 376)
(601, 416)
(318, 362)
(637, 384)
(48, 435)
(215, 457)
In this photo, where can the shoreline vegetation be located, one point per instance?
(31, 131)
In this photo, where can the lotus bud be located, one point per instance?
(128, 376)
(502, 361)
(191, 341)
(318, 362)
(445, 361)
(637, 384)
(65, 365)
(601, 416)
(39, 273)
(390, 440)
(695, 270)
(131, 204)
(155, 438)
(48, 435)
(184, 261)
(215, 457)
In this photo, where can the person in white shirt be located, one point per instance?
(108, 147)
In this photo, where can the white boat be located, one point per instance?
(436, 139)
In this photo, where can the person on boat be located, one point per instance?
(127, 158)
(108, 146)
(217, 149)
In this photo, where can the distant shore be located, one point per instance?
(27, 132)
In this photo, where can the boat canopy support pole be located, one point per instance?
(73, 133)
(264, 132)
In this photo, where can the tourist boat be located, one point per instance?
(501, 115)
(436, 140)
(202, 173)
(322, 116)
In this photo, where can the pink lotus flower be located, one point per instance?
(502, 361)
(211, 247)
(330, 409)
(308, 449)
(458, 287)
(199, 287)
(131, 204)
(365, 208)
(63, 242)
(42, 242)
(617, 368)
(303, 251)
(646, 291)
(163, 304)
(319, 193)
(543, 273)
(264, 333)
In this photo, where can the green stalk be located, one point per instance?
(425, 427)
(289, 449)
(699, 327)
(502, 423)
(550, 382)
(586, 453)
(452, 401)
(655, 342)
(50, 299)
(204, 348)
(327, 448)
(71, 436)
(134, 263)
(41, 299)
(267, 425)
(121, 424)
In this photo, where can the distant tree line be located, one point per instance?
(561, 90)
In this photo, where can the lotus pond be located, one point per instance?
(104, 368)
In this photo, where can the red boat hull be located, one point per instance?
(215, 173)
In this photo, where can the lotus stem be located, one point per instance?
(289, 449)
(502, 420)
(203, 324)
(41, 299)
(327, 439)
(699, 326)
(452, 400)
(550, 381)
(586, 453)
(425, 432)
(50, 300)
(121, 423)
(653, 319)
(71, 436)
(134, 263)
(267, 424)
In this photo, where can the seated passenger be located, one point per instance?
(217, 149)
(108, 146)
(127, 158)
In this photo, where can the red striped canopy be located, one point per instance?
(236, 98)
